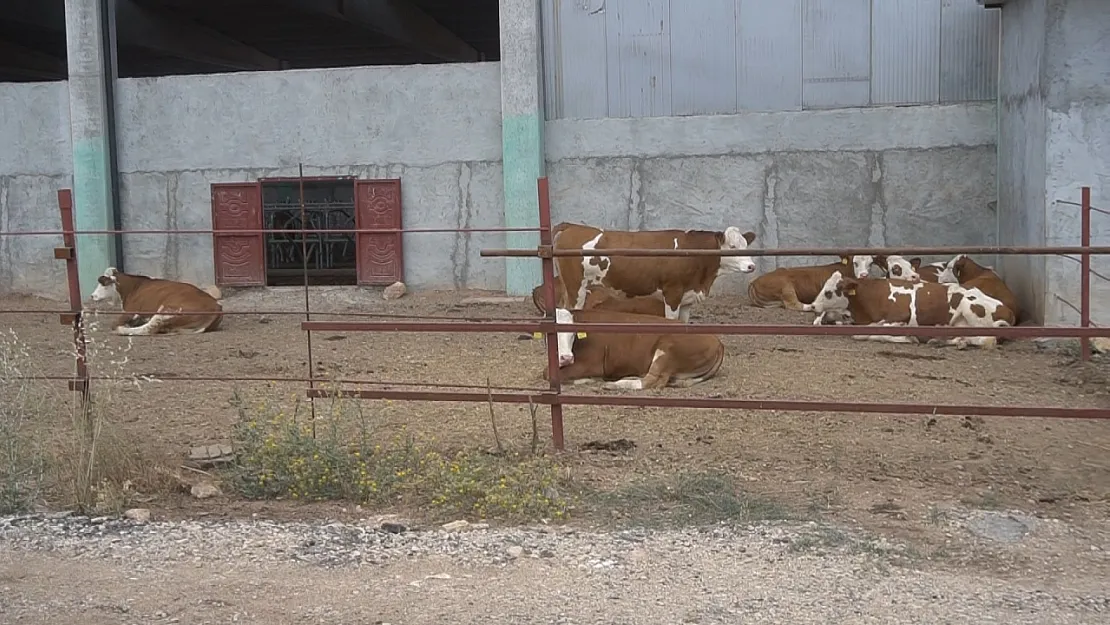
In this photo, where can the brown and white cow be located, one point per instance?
(147, 302)
(970, 274)
(794, 287)
(634, 361)
(893, 302)
(679, 281)
(900, 268)
(603, 298)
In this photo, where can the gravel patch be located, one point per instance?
(56, 568)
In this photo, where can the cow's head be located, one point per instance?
(565, 340)
(834, 294)
(735, 240)
(105, 285)
(949, 275)
(901, 269)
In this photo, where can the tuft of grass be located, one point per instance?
(284, 453)
(700, 498)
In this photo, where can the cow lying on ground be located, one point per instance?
(971, 275)
(155, 297)
(892, 302)
(634, 361)
(899, 268)
(603, 298)
(679, 281)
(794, 287)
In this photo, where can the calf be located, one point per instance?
(899, 268)
(635, 361)
(680, 281)
(604, 298)
(904, 303)
(155, 297)
(794, 287)
(971, 275)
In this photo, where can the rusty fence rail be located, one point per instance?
(547, 328)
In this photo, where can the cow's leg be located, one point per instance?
(684, 313)
(790, 300)
(658, 375)
(153, 326)
(885, 338)
(672, 303)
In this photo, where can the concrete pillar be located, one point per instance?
(89, 67)
(522, 120)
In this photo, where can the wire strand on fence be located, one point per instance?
(169, 377)
(1075, 308)
(816, 251)
(1080, 205)
(1093, 272)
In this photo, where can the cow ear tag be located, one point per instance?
(537, 335)
(852, 292)
(843, 261)
(581, 335)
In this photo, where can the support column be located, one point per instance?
(522, 119)
(90, 70)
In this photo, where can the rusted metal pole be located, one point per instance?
(814, 251)
(545, 326)
(68, 252)
(1051, 412)
(550, 299)
(307, 308)
(1085, 277)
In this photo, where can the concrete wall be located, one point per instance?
(1077, 148)
(437, 127)
(920, 175)
(1021, 150)
(35, 161)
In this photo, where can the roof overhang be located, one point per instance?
(991, 4)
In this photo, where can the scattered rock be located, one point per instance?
(1001, 526)
(1101, 344)
(620, 444)
(396, 290)
(204, 490)
(515, 551)
(263, 319)
(392, 528)
(205, 456)
(455, 526)
(142, 515)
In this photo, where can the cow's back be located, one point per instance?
(624, 354)
(900, 301)
(993, 285)
(154, 293)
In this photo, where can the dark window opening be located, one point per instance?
(329, 204)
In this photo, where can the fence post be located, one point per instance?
(1085, 278)
(550, 300)
(68, 252)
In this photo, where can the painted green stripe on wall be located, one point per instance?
(522, 163)
(92, 210)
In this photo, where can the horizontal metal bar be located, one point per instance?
(548, 327)
(548, 397)
(822, 251)
(298, 313)
(169, 377)
(253, 231)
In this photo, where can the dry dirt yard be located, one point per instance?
(958, 519)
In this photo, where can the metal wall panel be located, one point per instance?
(905, 51)
(638, 58)
(836, 53)
(769, 55)
(578, 71)
(968, 51)
(703, 64)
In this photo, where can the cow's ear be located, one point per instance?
(849, 285)
(915, 263)
(880, 260)
(749, 236)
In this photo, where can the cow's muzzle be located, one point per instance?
(566, 359)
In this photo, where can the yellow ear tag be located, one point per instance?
(843, 261)
(852, 292)
(581, 335)
(537, 335)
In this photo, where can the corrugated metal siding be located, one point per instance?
(706, 83)
(905, 51)
(968, 51)
(836, 53)
(639, 59)
(622, 58)
(769, 55)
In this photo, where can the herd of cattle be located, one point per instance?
(663, 289)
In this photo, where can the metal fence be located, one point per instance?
(554, 397)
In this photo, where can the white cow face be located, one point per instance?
(105, 286)
(902, 269)
(948, 274)
(565, 339)
(861, 265)
(734, 240)
(833, 297)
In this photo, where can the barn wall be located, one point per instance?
(35, 161)
(918, 175)
(436, 127)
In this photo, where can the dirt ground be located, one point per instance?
(885, 472)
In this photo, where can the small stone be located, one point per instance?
(263, 319)
(396, 290)
(454, 526)
(204, 490)
(392, 528)
(142, 515)
(515, 551)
